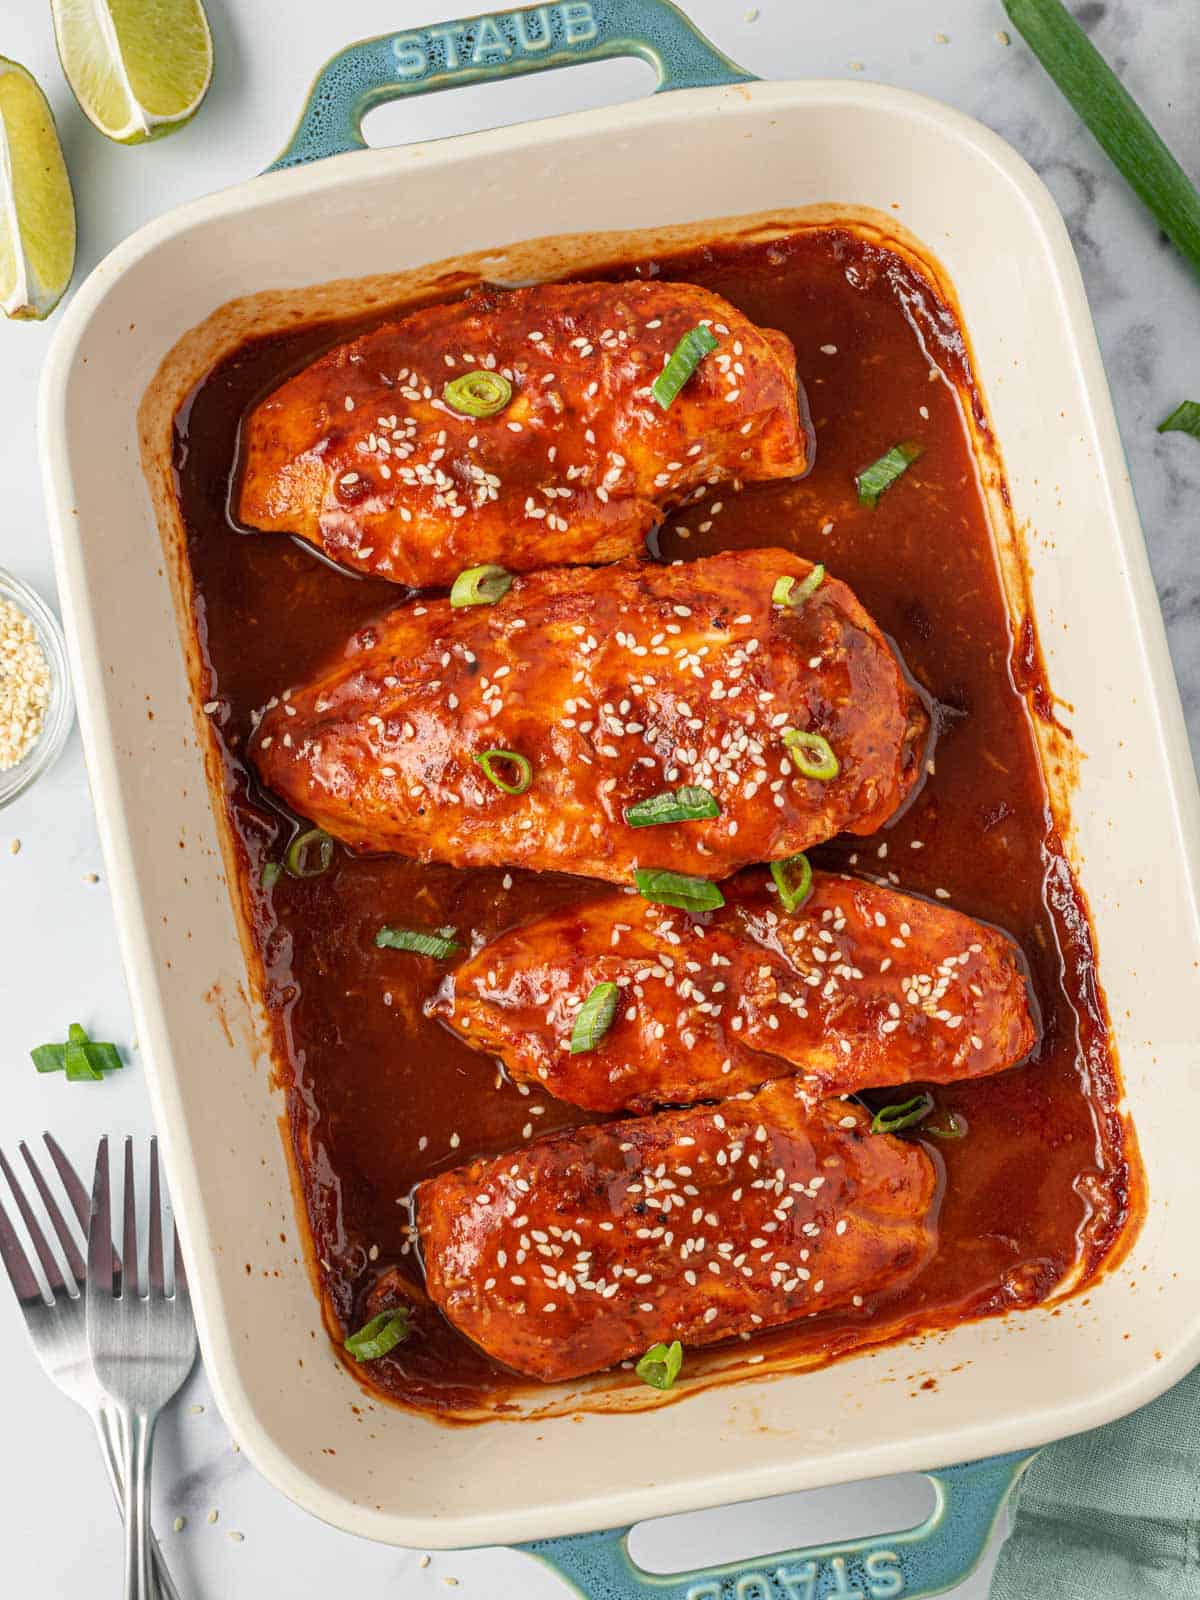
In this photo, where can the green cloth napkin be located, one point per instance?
(1114, 1514)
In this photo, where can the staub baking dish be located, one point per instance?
(1003, 1385)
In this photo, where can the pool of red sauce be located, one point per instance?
(379, 1097)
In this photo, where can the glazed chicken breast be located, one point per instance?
(588, 1246)
(364, 454)
(861, 987)
(542, 730)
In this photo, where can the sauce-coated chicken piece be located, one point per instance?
(613, 685)
(360, 454)
(862, 987)
(586, 1247)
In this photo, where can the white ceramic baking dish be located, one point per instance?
(1003, 1384)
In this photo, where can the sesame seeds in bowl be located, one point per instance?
(36, 706)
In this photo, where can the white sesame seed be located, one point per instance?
(24, 685)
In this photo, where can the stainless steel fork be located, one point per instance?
(142, 1346)
(58, 1325)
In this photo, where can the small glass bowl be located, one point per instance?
(60, 710)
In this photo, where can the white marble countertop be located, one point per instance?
(56, 1527)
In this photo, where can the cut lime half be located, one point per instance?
(37, 210)
(139, 68)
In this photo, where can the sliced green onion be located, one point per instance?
(101, 1056)
(691, 803)
(903, 1114)
(594, 1018)
(664, 888)
(787, 592)
(660, 1366)
(811, 754)
(1184, 419)
(794, 880)
(83, 1060)
(481, 586)
(440, 944)
(381, 1334)
(298, 858)
(478, 394)
(77, 1066)
(685, 358)
(882, 474)
(77, 1059)
(524, 769)
(48, 1057)
(1114, 117)
(271, 874)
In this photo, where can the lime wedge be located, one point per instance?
(37, 211)
(139, 68)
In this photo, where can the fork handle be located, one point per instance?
(108, 1432)
(137, 1441)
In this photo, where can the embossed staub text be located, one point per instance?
(492, 41)
(881, 1578)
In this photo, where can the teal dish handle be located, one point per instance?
(925, 1560)
(499, 44)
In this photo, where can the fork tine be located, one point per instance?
(66, 1236)
(71, 1181)
(16, 1263)
(45, 1255)
(154, 1258)
(100, 1251)
(129, 1247)
(76, 1193)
